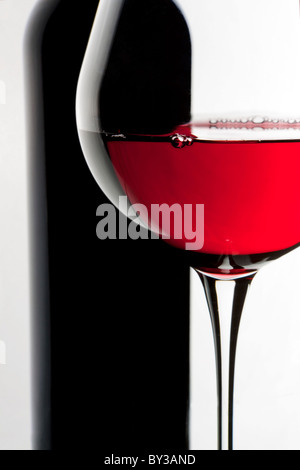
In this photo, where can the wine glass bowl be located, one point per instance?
(194, 107)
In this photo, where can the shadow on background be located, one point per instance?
(119, 308)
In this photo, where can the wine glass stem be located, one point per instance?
(225, 299)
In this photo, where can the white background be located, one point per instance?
(16, 398)
(267, 381)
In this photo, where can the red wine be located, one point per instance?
(250, 190)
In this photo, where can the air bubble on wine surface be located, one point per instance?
(118, 136)
(179, 141)
(258, 120)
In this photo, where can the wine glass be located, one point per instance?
(194, 106)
